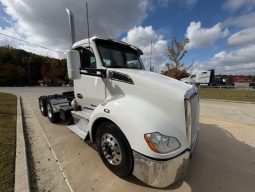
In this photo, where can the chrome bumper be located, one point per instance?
(160, 173)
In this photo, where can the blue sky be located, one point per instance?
(173, 18)
(4, 22)
(221, 32)
(177, 16)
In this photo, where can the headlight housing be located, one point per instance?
(161, 143)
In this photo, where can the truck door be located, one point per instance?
(89, 89)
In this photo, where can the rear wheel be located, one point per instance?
(42, 105)
(53, 117)
(114, 149)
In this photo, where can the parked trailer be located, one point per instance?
(207, 78)
(200, 78)
(143, 123)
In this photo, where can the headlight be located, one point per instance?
(161, 143)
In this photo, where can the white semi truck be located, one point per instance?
(143, 123)
(200, 78)
(207, 78)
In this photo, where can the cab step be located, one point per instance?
(81, 121)
(75, 129)
(85, 114)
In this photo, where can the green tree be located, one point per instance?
(18, 67)
(11, 75)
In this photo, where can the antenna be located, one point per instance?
(150, 55)
(88, 21)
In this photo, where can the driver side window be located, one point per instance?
(88, 59)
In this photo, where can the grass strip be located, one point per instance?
(8, 117)
(228, 94)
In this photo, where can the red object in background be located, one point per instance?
(241, 79)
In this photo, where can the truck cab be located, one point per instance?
(143, 123)
(95, 57)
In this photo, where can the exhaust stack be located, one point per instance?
(71, 25)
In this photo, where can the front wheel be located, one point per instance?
(114, 149)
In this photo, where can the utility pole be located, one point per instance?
(191, 68)
(150, 55)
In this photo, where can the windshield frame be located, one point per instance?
(123, 49)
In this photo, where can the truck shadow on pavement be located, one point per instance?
(219, 162)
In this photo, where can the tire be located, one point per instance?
(112, 144)
(53, 117)
(42, 105)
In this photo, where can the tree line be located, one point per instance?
(21, 68)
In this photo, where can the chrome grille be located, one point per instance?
(194, 103)
(192, 115)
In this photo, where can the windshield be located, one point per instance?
(115, 55)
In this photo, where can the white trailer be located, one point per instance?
(200, 78)
(143, 123)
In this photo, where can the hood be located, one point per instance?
(155, 81)
(157, 100)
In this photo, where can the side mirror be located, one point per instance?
(73, 64)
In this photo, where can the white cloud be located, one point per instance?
(234, 5)
(46, 23)
(243, 37)
(190, 3)
(241, 58)
(142, 38)
(220, 54)
(185, 3)
(14, 32)
(163, 3)
(238, 61)
(204, 37)
(246, 20)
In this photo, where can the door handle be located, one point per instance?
(79, 95)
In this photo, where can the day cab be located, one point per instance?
(142, 122)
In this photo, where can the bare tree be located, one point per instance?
(176, 51)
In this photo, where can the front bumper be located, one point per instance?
(160, 173)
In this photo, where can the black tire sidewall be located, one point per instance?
(43, 100)
(125, 168)
(55, 116)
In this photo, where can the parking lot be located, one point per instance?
(223, 159)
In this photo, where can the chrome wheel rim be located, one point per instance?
(111, 149)
(49, 111)
(41, 106)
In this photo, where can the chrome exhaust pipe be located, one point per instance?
(71, 25)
